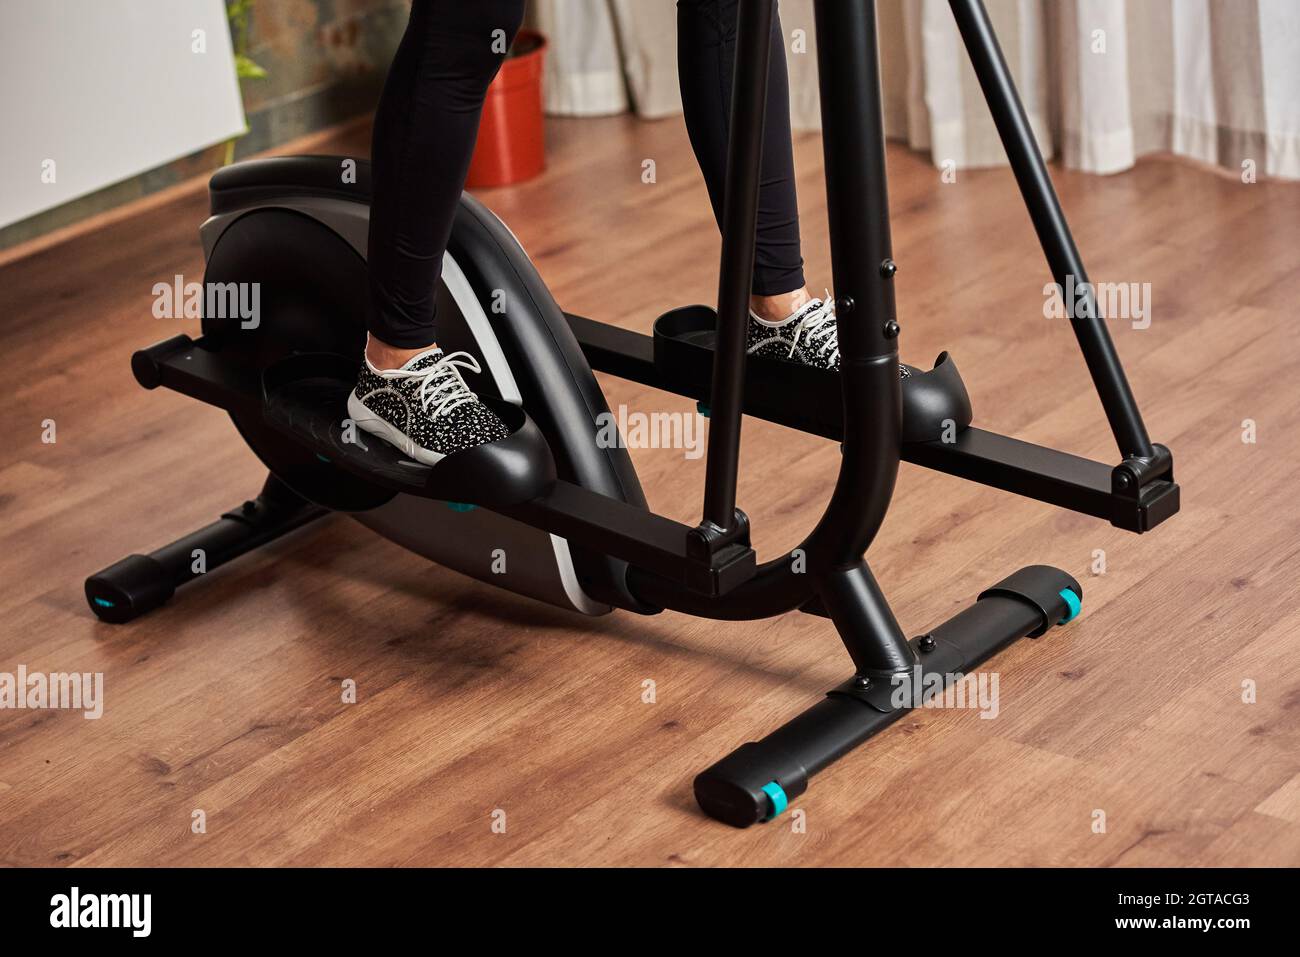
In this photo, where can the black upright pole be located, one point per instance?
(1049, 222)
(857, 200)
(739, 222)
(857, 191)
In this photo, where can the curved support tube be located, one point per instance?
(868, 471)
(858, 205)
(873, 417)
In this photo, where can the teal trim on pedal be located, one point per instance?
(777, 797)
(461, 507)
(703, 409)
(103, 603)
(1073, 603)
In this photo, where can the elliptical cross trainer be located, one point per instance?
(571, 513)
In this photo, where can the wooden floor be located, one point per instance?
(472, 701)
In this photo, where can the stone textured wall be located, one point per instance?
(326, 61)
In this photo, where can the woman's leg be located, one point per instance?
(425, 129)
(706, 53)
(409, 393)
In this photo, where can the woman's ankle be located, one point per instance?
(781, 306)
(384, 356)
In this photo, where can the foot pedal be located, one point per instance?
(305, 399)
(935, 402)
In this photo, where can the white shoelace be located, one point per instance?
(441, 383)
(823, 334)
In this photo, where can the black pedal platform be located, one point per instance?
(935, 401)
(305, 399)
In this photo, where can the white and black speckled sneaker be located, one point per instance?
(424, 408)
(809, 336)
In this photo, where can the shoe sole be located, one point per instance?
(381, 428)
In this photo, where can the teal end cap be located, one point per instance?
(322, 458)
(103, 603)
(461, 507)
(1073, 603)
(777, 796)
(703, 409)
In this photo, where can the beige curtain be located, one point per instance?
(609, 56)
(1103, 81)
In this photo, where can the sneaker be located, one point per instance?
(424, 408)
(809, 336)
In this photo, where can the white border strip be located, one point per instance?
(481, 328)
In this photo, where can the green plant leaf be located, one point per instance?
(246, 69)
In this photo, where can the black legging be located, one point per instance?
(427, 123)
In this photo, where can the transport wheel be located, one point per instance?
(1074, 604)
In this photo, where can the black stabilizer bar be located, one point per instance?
(756, 781)
(137, 584)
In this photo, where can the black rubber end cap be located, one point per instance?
(729, 802)
(127, 589)
(146, 363)
(731, 791)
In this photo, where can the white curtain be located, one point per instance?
(1104, 81)
(609, 56)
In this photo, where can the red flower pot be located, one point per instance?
(511, 144)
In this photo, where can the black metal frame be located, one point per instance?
(755, 781)
(1137, 494)
(709, 570)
